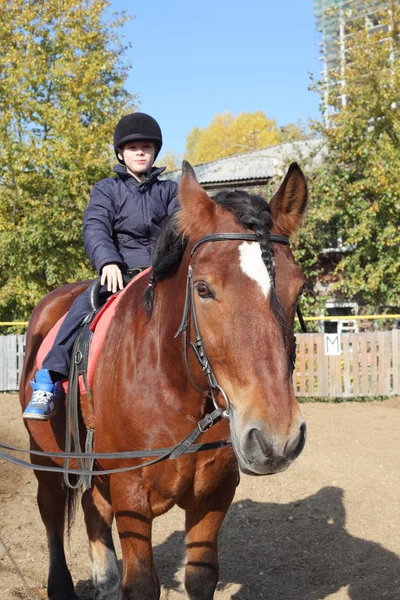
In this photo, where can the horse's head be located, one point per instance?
(245, 298)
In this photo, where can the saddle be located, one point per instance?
(94, 329)
(85, 353)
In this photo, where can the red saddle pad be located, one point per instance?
(99, 326)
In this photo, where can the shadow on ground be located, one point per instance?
(283, 551)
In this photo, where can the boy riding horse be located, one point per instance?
(119, 229)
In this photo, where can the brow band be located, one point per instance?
(251, 237)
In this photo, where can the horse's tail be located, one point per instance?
(70, 507)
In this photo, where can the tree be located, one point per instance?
(228, 135)
(357, 189)
(192, 140)
(292, 132)
(170, 160)
(61, 94)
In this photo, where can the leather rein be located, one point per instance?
(187, 445)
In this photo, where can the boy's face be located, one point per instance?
(138, 156)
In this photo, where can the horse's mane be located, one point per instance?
(251, 212)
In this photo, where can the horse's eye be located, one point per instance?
(203, 290)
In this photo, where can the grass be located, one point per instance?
(332, 400)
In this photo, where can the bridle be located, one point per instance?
(190, 311)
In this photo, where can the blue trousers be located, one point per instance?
(59, 357)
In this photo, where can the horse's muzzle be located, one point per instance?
(260, 453)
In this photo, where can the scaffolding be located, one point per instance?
(332, 18)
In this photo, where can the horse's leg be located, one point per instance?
(52, 501)
(134, 522)
(202, 528)
(98, 518)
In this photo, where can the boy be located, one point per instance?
(119, 228)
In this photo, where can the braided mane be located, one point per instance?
(251, 212)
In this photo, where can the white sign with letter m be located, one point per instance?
(332, 344)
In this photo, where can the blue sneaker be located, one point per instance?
(45, 394)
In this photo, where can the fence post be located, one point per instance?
(396, 361)
(11, 361)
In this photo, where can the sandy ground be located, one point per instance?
(329, 527)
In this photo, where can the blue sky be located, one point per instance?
(192, 60)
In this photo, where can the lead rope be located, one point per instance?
(18, 570)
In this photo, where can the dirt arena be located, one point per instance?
(329, 527)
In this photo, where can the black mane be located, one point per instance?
(251, 212)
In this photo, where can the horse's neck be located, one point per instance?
(167, 316)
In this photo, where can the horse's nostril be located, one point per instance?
(255, 446)
(296, 444)
(262, 442)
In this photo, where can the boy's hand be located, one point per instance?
(113, 276)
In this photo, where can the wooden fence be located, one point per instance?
(11, 361)
(368, 365)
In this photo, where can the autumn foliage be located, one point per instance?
(62, 91)
(228, 135)
(355, 202)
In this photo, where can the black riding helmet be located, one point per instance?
(134, 127)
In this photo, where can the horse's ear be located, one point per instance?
(198, 210)
(290, 202)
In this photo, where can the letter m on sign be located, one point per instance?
(332, 344)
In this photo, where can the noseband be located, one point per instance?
(189, 309)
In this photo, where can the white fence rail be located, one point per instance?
(11, 361)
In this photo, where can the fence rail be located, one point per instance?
(11, 361)
(368, 365)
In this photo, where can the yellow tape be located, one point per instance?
(331, 318)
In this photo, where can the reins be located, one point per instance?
(187, 445)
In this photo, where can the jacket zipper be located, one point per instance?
(146, 213)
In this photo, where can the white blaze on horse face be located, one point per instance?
(253, 266)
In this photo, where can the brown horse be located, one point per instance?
(245, 296)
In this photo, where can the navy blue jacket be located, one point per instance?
(123, 217)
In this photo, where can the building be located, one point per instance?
(253, 170)
(332, 18)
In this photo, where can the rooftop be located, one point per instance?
(257, 164)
